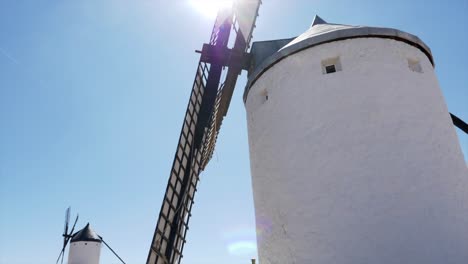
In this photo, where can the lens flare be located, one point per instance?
(210, 8)
(242, 248)
(240, 240)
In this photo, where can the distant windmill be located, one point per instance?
(278, 100)
(85, 245)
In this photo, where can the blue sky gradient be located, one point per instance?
(92, 96)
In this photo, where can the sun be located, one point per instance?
(209, 8)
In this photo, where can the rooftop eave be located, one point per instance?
(336, 35)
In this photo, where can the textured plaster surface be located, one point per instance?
(84, 252)
(358, 166)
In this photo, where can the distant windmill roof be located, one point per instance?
(267, 53)
(86, 234)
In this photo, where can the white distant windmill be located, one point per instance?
(85, 245)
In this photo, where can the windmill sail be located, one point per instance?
(245, 15)
(207, 106)
(66, 235)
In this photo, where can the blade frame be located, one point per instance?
(67, 236)
(171, 229)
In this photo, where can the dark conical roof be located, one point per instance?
(85, 234)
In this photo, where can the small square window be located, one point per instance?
(330, 69)
(264, 95)
(414, 65)
(331, 65)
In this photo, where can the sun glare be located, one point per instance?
(209, 8)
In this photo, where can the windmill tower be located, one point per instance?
(85, 247)
(354, 157)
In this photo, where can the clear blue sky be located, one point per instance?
(92, 96)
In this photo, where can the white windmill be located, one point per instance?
(85, 245)
(354, 157)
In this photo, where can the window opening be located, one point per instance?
(414, 65)
(331, 65)
(330, 69)
(264, 94)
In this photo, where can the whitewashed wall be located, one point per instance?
(84, 252)
(358, 166)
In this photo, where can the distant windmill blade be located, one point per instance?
(66, 236)
(67, 220)
(73, 228)
(63, 254)
(60, 255)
